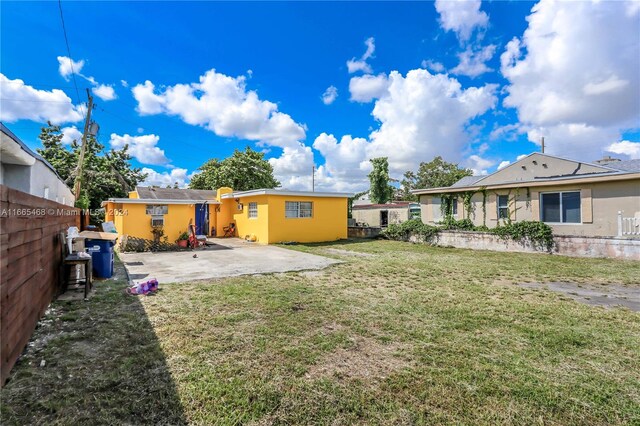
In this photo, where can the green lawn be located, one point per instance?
(405, 334)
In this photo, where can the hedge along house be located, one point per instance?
(266, 215)
(574, 198)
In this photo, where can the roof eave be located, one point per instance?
(539, 182)
(158, 201)
(259, 192)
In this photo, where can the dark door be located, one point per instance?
(202, 219)
(384, 218)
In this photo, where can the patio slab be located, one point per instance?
(226, 258)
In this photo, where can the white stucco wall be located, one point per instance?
(22, 169)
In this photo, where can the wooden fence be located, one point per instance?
(30, 259)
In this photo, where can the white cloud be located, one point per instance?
(329, 95)
(124, 83)
(346, 162)
(472, 61)
(23, 102)
(368, 87)
(520, 157)
(70, 134)
(628, 148)
(479, 165)
(294, 167)
(67, 66)
(164, 179)
(355, 65)
(462, 17)
(425, 115)
(143, 148)
(574, 75)
(421, 115)
(148, 102)
(104, 92)
(507, 132)
(432, 66)
(223, 105)
(503, 164)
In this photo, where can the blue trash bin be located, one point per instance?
(101, 257)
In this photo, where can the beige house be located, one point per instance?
(381, 215)
(573, 197)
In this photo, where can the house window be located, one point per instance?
(253, 210)
(503, 206)
(153, 209)
(560, 207)
(454, 207)
(298, 209)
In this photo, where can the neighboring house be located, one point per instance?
(381, 215)
(270, 215)
(26, 171)
(573, 197)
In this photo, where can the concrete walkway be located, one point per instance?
(227, 258)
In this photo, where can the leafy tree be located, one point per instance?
(105, 175)
(380, 191)
(243, 171)
(434, 174)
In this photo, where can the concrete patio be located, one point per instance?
(225, 258)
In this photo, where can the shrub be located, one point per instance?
(402, 231)
(539, 233)
(462, 225)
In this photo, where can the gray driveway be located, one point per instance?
(227, 258)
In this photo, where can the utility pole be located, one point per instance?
(313, 178)
(83, 147)
(542, 142)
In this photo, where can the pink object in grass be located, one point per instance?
(144, 287)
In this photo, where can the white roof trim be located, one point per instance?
(159, 201)
(256, 192)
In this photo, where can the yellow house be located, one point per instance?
(266, 215)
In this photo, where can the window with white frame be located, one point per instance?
(157, 209)
(253, 210)
(560, 207)
(503, 206)
(298, 209)
(454, 207)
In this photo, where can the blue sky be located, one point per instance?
(476, 82)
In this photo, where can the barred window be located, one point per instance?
(298, 209)
(253, 210)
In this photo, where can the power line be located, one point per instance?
(66, 40)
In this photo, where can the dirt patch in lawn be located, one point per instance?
(608, 295)
(366, 359)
